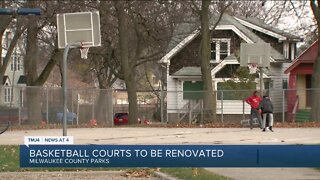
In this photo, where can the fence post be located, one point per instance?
(283, 99)
(92, 100)
(243, 109)
(47, 105)
(78, 98)
(161, 104)
(221, 106)
(19, 106)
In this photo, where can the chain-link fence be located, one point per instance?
(44, 105)
(290, 105)
(36, 105)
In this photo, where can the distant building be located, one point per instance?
(11, 91)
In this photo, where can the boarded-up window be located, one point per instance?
(192, 90)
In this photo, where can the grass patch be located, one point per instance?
(187, 174)
(9, 157)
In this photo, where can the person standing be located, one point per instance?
(254, 102)
(266, 107)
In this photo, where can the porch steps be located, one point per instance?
(303, 115)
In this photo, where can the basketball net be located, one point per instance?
(253, 67)
(84, 52)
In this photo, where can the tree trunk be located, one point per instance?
(104, 110)
(127, 67)
(315, 111)
(33, 93)
(209, 100)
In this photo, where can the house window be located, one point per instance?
(8, 93)
(220, 49)
(284, 84)
(16, 63)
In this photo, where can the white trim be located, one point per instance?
(236, 30)
(179, 46)
(218, 41)
(286, 49)
(255, 27)
(194, 34)
(221, 65)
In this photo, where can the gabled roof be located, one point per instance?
(186, 32)
(259, 25)
(188, 71)
(306, 57)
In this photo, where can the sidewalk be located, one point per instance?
(267, 173)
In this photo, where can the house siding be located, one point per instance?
(276, 92)
(189, 56)
(233, 107)
(229, 34)
(274, 42)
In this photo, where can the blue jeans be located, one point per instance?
(255, 113)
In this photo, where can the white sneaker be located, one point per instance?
(267, 129)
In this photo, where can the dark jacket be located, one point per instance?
(266, 105)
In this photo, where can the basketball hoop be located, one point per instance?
(253, 67)
(84, 52)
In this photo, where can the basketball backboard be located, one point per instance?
(258, 53)
(80, 27)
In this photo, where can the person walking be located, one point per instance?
(254, 102)
(266, 107)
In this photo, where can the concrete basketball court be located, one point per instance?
(126, 135)
(135, 136)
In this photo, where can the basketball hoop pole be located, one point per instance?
(64, 84)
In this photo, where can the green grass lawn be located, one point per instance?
(9, 161)
(186, 174)
(9, 158)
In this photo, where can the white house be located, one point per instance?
(14, 78)
(183, 63)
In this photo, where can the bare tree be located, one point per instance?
(209, 98)
(315, 111)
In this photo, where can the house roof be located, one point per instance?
(188, 71)
(259, 25)
(186, 32)
(306, 57)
